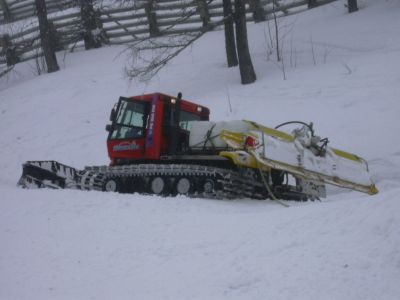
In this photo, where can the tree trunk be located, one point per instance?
(88, 19)
(230, 45)
(45, 38)
(247, 73)
(352, 5)
(6, 11)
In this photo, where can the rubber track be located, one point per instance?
(231, 183)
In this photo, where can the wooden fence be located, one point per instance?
(14, 10)
(123, 25)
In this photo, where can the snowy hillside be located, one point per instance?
(342, 73)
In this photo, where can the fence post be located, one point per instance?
(258, 10)
(55, 41)
(6, 11)
(102, 35)
(312, 3)
(352, 5)
(202, 8)
(152, 18)
(8, 50)
(91, 32)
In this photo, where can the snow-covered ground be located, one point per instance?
(90, 245)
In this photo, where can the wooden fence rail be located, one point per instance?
(21, 9)
(124, 25)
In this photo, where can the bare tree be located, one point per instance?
(247, 73)
(146, 64)
(278, 54)
(45, 37)
(230, 44)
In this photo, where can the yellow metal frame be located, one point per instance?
(272, 131)
(245, 156)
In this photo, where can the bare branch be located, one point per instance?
(145, 64)
(144, 67)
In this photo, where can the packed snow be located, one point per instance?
(341, 73)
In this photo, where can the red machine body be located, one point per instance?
(154, 151)
(145, 127)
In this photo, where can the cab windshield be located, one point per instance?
(130, 121)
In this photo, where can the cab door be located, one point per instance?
(127, 135)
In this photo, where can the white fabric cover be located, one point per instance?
(198, 133)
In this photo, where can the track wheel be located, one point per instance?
(209, 186)
(111, 185)
(157, 185)
(183, 186)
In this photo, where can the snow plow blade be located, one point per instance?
(304, 156)
(52, 174)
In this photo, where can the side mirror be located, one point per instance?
(113, 114)
(108, 127)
